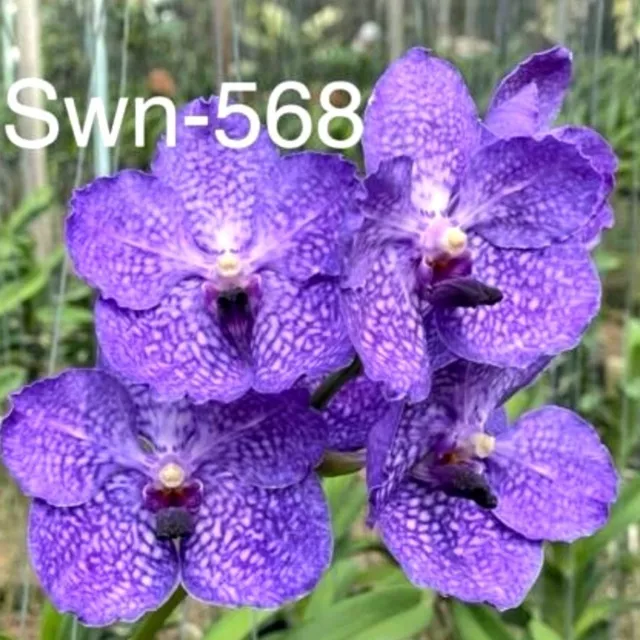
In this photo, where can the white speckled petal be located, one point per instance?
(64, 435)
(550, 296)
(352, 412)
(219, 186)
(384, 323)
(102, 561)
(421, 108)
(462, 398)
(306, 215)
(553, 477)
(271, 440)
(177, 347)
(455, 547)
(527, 193)
(298, 331)
(257, 547)
(126, 237)
(550, 73)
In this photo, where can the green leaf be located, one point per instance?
(346, 496)
(13, 294)
(404, 625)
(333, 584)
(364, 614)
(624, 512)
(30, 207)
(155, 621)
(60, 626)
(238, 624)
(479, 623)
(11, 377)
(540, 631)
(599, 612)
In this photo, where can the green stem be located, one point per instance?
(333, 383)
(337, 463)
(155, 621)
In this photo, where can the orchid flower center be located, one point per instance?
(228, 265)
(233, 297)
(459, 471)
(441, 241)
(172, 475)
(483, 445)
(174, 500)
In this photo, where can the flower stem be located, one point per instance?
(153, 622)
(333, 383)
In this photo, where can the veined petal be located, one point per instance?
(257, 547)
(126, 237)
(550, 73)
(593, 146)
(590, 234)
(421, 108)
(219, 186)
(553, 477)
(102, 561)
(385, 326)
(517, 116)
(177, 347)
(352, 412)
(387, 199)
(526, 193)
(65, 436)
(463, 396)
(550, 296)
(398, 441)
(455, 547)
(306, 215)
(298, 331)
(271, 441)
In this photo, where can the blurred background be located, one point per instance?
(182, 49)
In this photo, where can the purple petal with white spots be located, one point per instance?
(455, 547)
(421, 108)
(517, 116)
(553, 477)
(102, 560)
(550, 296)
(271, 441)
(398, 441)
(177, 347)
(498, 422)
(472, 392)
(593, 146)
(257, 547)
(219, 186)
(550, 73)
(64, 436)
(385, 326)
(525, 193)
(126, 237)
(591, 233)
(298, 331)
(306, 215)
(463, 396)
(352, 412)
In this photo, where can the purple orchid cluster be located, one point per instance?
(258, 314)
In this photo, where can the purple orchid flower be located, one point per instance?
(464, 502)
(527, 101)
(464, 247)
(132, 497)
(218, 271)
